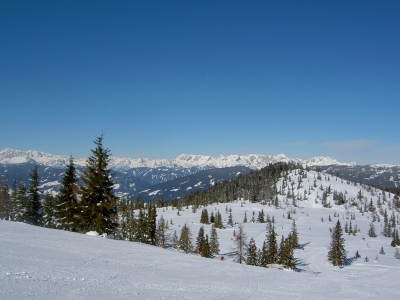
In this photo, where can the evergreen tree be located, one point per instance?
(19, 201)
(67, 200)
(185, 241)
(286, 255)
(98, 204)
(200, 239)
(151, 226)
(294, 237)
(33, 212)
(252, 259)
(337, 252)
(49, 219)
(245, 217)
(240, 245)
(175, 240)
(205, 248)
(214, 243)
(161, 236)
(204, 216)
(371, 231)
(218, 220)
(5, 202)
(263, 257)
(396, 239)
(212, 219)
(230, 219)
(272, 245)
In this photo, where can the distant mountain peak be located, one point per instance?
(253, 161)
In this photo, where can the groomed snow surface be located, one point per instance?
(40, 263)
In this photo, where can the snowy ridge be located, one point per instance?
(253, 161)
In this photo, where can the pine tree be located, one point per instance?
(263, 258)
(5, 202)
(396, 239)
(19, 201)
(251, 258)
(294, 237)
(151, 226)
(371, 231)
(204, 216)
(185, 241)
(245, 217)
(240, 245)
(98, 204)
(272, 244)
(49, 218)
(161, 236)
(214, 243)
(33, 213)
(175, 240)
(337, 252)
(218, 220)
(67, 200)
(230, 219)
(205, 248)
(200, 239)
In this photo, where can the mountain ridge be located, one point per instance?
(202, 162)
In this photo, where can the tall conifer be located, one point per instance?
(98, 204)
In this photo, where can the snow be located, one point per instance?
(40, 263)
(154, 193)
(253, 161)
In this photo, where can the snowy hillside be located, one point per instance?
(42, 263)
(184, 161)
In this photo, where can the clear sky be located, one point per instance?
(162, 78)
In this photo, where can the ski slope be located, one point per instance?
(40, 263)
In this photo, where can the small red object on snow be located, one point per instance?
(222, 257)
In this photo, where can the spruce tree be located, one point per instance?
(272, 245)
(337, 252)
(5, 202)
(19, 201)
(98, 204)
(161, 236)
(204, 216)
(200, 239)
(230, 219)
(396, 239)
(294, 237)
(252, 259)
(205, 248)
(67, 200)
(185, 240)
(371, 231)
(49, 218)
(33, 212)
(214, 243)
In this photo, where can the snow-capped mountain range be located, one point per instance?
(183, 161)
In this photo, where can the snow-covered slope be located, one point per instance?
(183, 161)
(38, 263)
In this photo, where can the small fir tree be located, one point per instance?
(33, 213)
(337, 252)
(251, 258)
(214, 243)
(185, 240)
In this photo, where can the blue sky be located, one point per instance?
(162, 78)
